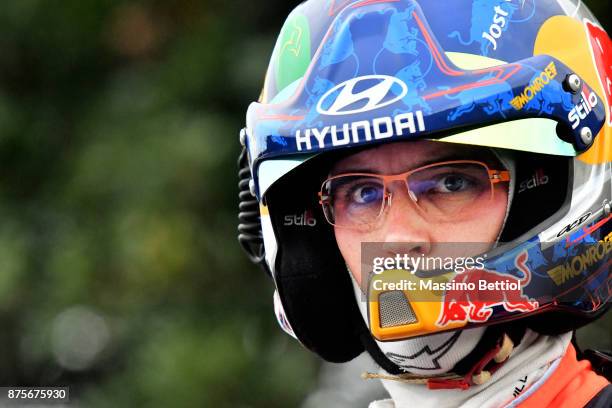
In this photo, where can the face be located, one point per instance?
(404, 227)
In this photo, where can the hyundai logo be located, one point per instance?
(362, 94)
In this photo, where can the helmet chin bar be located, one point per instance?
(395, 315)
(404, 304)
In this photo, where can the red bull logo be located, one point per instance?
(476, 305)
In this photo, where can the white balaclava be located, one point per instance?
(437, 353)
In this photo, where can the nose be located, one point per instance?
(404, 230)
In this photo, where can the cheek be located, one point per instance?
(495, 216)
(349, 244)
(484, 228)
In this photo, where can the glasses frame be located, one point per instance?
(495, 177)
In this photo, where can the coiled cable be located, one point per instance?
(250, 235)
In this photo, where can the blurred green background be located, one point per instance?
(120, 273)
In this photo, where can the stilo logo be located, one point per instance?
(362, 94)
(580, 112)
(538, 179)
(301, 220)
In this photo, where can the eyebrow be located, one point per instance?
(443, 158)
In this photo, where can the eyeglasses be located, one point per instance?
(444, 191)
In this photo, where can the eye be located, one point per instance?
(366, 194)
(452, 183)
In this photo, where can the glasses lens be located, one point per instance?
(455, 190)
(353, 201)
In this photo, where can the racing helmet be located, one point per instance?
(526, 76)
